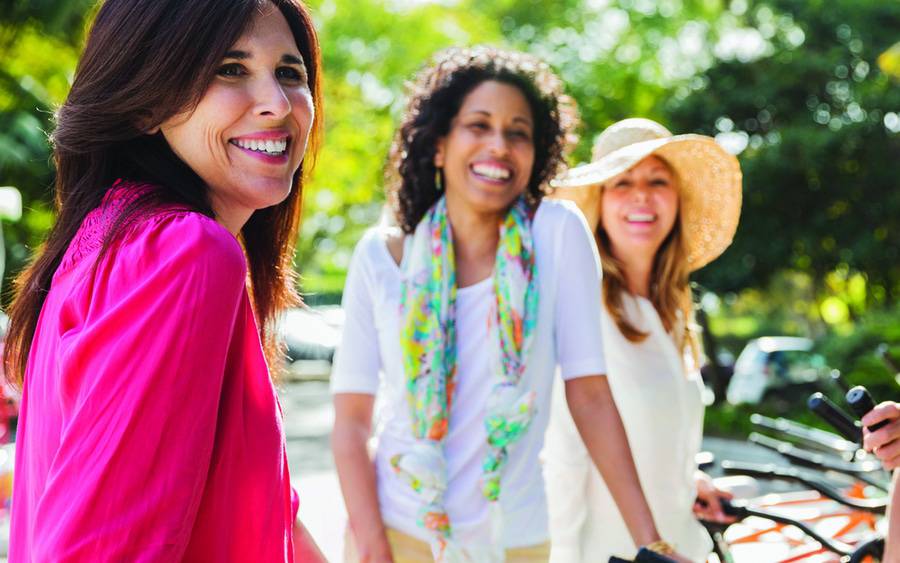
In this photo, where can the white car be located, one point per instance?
(774, 363)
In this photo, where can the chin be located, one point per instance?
(494, 201)
(267, 193)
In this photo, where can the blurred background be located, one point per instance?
(804, 92)
(801, 90)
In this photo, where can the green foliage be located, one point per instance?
(856, 353)
(797, 81)
(369, 52)
(821, 131)
(37, 57)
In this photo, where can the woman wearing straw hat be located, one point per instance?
(661, 206)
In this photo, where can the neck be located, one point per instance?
(474, 234)
(637, 270)
(475, 239)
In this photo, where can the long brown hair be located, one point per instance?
(670, 291)
(145, 61)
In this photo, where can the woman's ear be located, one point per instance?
(439, 152)
(147, 123)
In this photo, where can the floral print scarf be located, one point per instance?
(428, 344)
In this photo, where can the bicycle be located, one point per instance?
(842, 522)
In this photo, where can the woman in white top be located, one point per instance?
(661, 206)
(457, 321)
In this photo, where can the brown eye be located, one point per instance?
(290, 74)
(520, 134)
(231, 70)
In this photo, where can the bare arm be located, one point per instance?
(305, 548)
(892, 541)
(885, 443)
(356, 471)
(597, 418)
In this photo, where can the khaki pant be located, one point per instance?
(407, 549)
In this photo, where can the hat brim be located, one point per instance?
(709, 189)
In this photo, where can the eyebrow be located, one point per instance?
(518, 118)
(243, 55)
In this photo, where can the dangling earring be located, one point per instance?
(439, 178)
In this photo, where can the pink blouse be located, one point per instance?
(149, 427)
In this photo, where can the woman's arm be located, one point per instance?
(145, 373)
(597, 418)
(885, 443)
(356, 471)
(305, 548)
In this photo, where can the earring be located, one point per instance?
(439, 179)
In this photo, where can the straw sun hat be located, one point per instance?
(709, 181)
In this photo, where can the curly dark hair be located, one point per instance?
(434, 100)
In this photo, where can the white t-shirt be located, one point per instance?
(662, 411)
(568, 336)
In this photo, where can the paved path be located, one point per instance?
(308, 420)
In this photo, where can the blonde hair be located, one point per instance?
(670, 292)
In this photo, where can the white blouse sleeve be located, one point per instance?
(358, 360)
(579, 339)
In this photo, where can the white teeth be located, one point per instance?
(641, 217)
(271, 147)
(493, 172)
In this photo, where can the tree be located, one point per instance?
(820, 192)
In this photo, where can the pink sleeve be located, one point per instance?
(295, 504)
(142, 379)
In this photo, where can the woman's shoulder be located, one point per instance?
(551, 208)
(560, 222)
(181, 234)
(151, 232)
(381, 245)
(555, 215)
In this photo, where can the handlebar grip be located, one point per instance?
(830, 413)
(861, 403)
(739, 512)
(644, 555)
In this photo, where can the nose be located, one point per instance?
(499, 145)
(641, 192)
(270, 99)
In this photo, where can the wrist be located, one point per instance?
(661, 547)
(647, 537)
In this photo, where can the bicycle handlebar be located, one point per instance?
(861, 470)
(833, 415)
(814, 436)
(861, 403)
(771, 471)
(740, 510)
(644, 555)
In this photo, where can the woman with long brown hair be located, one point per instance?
(150, 429)
(661, 206)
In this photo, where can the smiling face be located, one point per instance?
(247, 136)
(488, 154)
(638, 208)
